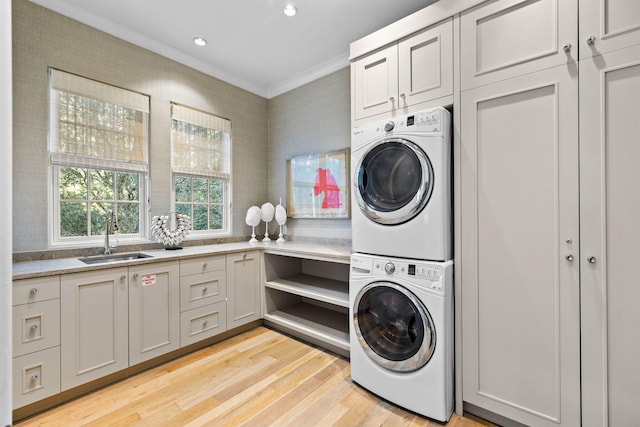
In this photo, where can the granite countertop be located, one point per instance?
(31, 269)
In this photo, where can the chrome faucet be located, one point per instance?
(110, 225)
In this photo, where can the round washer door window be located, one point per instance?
(393, 327)
(393, 181)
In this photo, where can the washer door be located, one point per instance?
(393, 327)
(393, 181)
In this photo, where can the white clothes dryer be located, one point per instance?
(402, 187)
(401, 332)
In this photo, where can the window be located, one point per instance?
(99, 157)
(201, 166)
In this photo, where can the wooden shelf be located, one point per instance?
(318, 288)
(321, 323)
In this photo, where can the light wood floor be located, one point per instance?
(258, 378)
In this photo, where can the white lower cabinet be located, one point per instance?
(203, 294)
(309, 298)
(36, 339)
(243, 288)
(94, 325)
(154, 310)
(520, 248)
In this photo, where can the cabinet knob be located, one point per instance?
(591, 259)
(34, 378)
(33, 292)
(135, 276)
(569, 257)
(567, 47)
(591, 40)
(123, 278)
(204, 291)
(204, 265)
(402, 95)
(392, 99)
(204, 324)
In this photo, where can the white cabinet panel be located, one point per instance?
(608, 25)
(520, 313)
(243, 288)
(94, 325)
(376, 83)
(426, 65)
(36, 376)
(154, 310)
(36, 326)
(507, 38)
(610, 209)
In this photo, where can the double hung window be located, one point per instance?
(201, 167)
(98, 151)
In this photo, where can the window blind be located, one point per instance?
(97, 125)
(201, 143)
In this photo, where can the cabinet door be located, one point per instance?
(506, 38)
(519, 252)
(610, 209)
(243, 288)
(94, 325)
(375, 83)
(608, 25)
(426, 65)
(154, 310)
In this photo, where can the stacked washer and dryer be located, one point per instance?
(401, 277)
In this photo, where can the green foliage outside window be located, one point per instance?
(86, 195)
(202, 199)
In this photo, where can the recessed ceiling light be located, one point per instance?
(200, 41)
(290, 10)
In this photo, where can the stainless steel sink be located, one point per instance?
(104, 259)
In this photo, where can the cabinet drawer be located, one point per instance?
(34, 290)
(203, 322)
(36, 376)
(36, 326)
(199, 290)
(201, 265)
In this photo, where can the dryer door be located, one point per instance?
(393, 181)
(393, 327)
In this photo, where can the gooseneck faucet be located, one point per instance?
(110, 225)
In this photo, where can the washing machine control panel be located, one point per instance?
(426, 274)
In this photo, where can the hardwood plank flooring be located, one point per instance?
(258, 378)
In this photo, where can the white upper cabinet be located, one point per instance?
(607, 25)
(501, 39)
(411, 71)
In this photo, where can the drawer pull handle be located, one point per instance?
(33, 291)
(33, 329)
(204, 290)
(204, 265)
(204, 324)
(33, 378)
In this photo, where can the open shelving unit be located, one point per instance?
(309, 298)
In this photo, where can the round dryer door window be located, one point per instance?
(393, 327)
(393, 181)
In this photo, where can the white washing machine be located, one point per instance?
(401, 333)
(402, 187)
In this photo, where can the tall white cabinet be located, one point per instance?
(546, 102)
(610, 227)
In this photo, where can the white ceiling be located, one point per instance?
(252, 44)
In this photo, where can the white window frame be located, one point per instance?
(58, 161)
(226, 176)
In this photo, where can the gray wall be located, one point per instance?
(42, 38)
(313, 118)
(5, 213)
